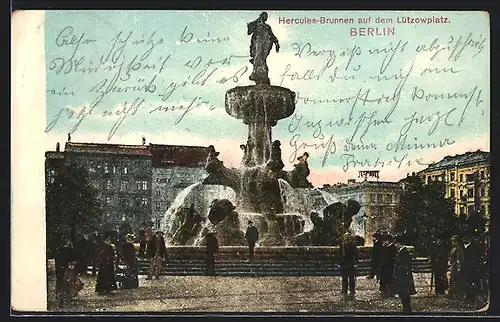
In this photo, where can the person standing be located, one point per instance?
(456, 269)
(106, 282)
(156, 251)
(439, 263)
(473, 263)
(348, 263)
(142, 242)
(251, 235)
(403, 284)
(130, 260)
(387, 265)
(148, 232)
(65, 259)
(375, 256)
(212, 248)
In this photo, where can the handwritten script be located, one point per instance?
(382, 103)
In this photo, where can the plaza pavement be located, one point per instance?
(184, 294)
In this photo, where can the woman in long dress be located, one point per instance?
(106, 281)
(68, 284)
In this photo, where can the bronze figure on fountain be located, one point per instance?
(262, 42)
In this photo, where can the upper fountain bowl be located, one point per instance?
(256, 103)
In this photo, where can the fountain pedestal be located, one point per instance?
(260, 107)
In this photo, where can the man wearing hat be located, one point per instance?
(375, 255)
(403, 284)
(349, 257)
(252, 235)
(212, 247)
(389, 252)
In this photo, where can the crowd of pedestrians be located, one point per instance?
(460, 266)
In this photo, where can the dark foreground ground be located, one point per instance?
(259, 294)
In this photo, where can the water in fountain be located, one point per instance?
(199, 196)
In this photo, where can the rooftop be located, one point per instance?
(54, 155)
(162, 155)
(460, 160)
(165, 156)
(362, 184)
(107, 148)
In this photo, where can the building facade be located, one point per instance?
(134, 183)
(467, 180)
(121, 174)
(174, 168)
(378, 200)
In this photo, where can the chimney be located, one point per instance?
(143, 141)
(58, 148)
(69, 137)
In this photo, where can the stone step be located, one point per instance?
(262, 267)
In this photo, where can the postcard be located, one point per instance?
(295, 162)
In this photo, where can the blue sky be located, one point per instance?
(464, 79)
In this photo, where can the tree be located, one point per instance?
(72, 206)
(424, 214)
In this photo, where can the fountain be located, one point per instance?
(283, 205)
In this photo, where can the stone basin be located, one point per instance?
(260, 103)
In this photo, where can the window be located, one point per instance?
(123, 202)
(125, 170)
(462, 210)
(372, 197)
(144, 185)
(379, 198)
(109, 185)
(470, 193)
(108, 200)
(461, 177)
(483, 209)
(389, 198)
(452, 193)
(106, 168)
(452, 176)
(123, 186)
(429, 179)
(481, 174)
(52, 176)
(483, 192)
(114, 169)
(144, 201)
(470, 210)
(158, 206)
(461, 193)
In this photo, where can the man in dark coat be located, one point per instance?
(389, 252)
(212, 247)
(473, 254)
(403, 284)
(142, 242)
(348, 261)
(439, 264)
(251, 235)
(375, 256)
